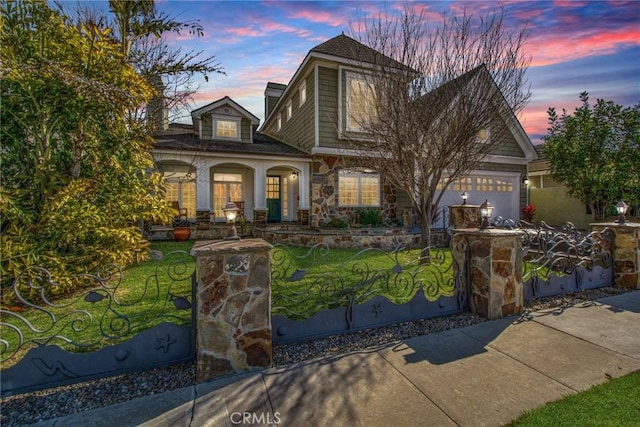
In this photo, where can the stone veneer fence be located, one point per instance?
(234, 289)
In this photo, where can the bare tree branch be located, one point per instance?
(435, 119)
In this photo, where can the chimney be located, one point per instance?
(157, 111)
(272, 94)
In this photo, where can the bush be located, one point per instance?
(370, 217)
(336, 223)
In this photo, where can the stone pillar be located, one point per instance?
(303, 216)
(464, 216)
(202, 219)
(234, 307)
(260, 217)
(495, 271)
(626, 253)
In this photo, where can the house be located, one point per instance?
(547, 195)
(295, 166)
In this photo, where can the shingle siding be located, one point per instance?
(328, 107)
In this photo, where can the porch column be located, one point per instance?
(260, 187)
(304, 186)
(233, 307)
(203, 188)
(495, 276)
(626, 253)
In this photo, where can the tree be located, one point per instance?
(595, 153)
(171, 71)
(440, 114)
(75, 180)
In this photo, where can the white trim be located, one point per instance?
(288, 110)
(220, 118)
(316, 106)
(302, 88)
(226, 100)
(167, 154)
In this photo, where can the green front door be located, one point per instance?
(274, 201)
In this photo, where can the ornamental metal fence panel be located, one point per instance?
(318, 291)
(559, 260)
(117, 324)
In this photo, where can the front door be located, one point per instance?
(274, 201)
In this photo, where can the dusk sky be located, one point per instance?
(575, 46)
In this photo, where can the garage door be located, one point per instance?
(501, 190)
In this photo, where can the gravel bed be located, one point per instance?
(57, 402)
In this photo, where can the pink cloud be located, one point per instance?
(332, 18)
(553, 48)
(569, 3)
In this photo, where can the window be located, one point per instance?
(279, 122)
(227, 128)
(483, 135)
(462, 184)
(504, 186)
(484, 184)
(303, 92)
(358, 189)
(360, 102)
(289, 110)
(226, 186)
(183, 192)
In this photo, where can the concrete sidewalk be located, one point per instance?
(482, 375)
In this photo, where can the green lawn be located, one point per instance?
(106, 312)
(306, 281)
(615, 403)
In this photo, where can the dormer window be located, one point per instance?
(303, 92)
(279, 122)
(289, 110)
(226, 128)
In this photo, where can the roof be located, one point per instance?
(262, 144)
(345, 47)
(278, 86)
(222, 101)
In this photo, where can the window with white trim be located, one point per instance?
(360, 102)
(226, 128)
(484, 184)
(289, 110)
(358, 189)
(226, 186)
(504, 186)
(279, 122)
(303, 92)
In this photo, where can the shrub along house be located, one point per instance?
(296, 167)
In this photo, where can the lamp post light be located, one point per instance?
(486, 210)
(231, 212)
(464, 197)
(622, 207)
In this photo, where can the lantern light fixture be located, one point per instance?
(486, 210)
(465, 196)
(622, 208)
(231, 213)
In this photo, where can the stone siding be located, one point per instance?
(324, 193)
(234, 307)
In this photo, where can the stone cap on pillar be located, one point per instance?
(209, 247)
(489, 232)
(631, 225)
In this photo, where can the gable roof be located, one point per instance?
(225, 101)
(345, 47)
(340, 48)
